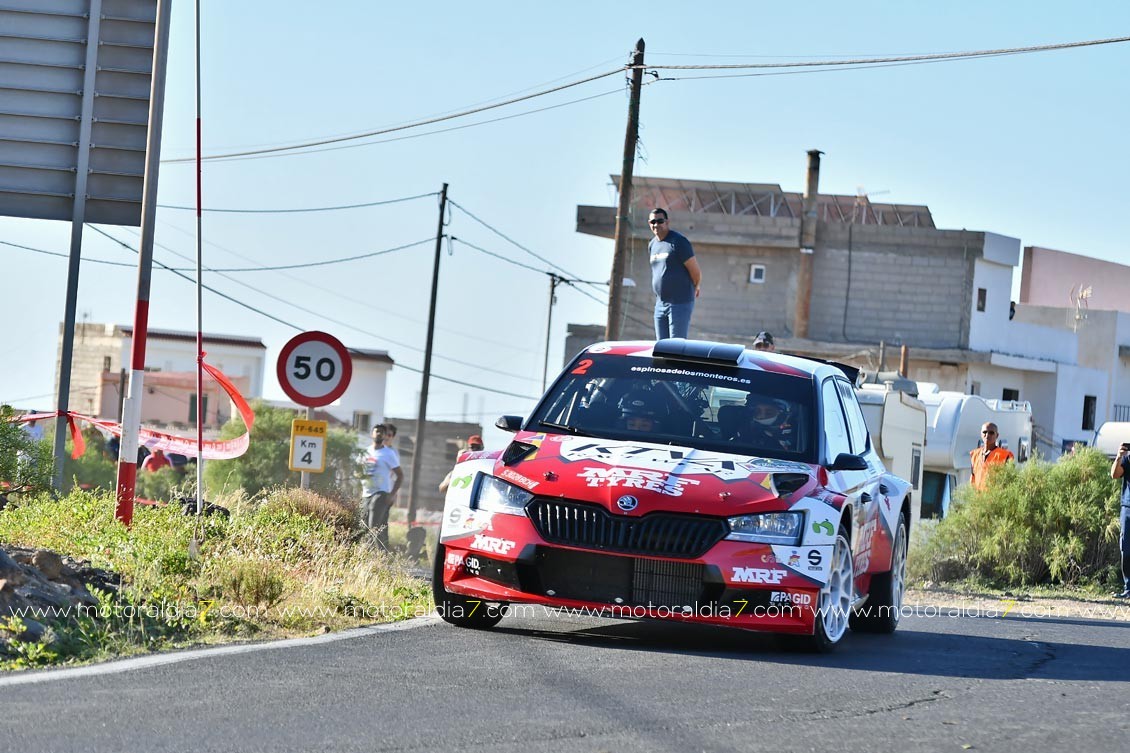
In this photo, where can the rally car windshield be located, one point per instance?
(707, 407)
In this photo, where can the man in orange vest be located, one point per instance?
(989, 454)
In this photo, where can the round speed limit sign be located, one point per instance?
(314, 369)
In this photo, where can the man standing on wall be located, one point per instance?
(675, 277)
(988, 454)
(1121, 469)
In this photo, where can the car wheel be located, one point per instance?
(462, 611)
(833, 605)
(884, 606)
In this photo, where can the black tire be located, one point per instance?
(459, 610)
(833, 604)
(883, 608)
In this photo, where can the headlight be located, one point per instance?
(767, 528)
(494, 495)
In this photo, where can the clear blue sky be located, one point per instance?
(1030, 146)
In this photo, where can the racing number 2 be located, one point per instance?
(324, 369)
(582, 367)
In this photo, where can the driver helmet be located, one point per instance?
(636, 412)
(765, 411)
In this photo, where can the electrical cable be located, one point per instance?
(415, 124)
(366, 304)
(317, 150)
(894, 58)
(276, 268)
(305, 209)
(274, 318)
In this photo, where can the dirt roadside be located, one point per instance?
(928, 601)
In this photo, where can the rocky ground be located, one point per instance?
(38, 581)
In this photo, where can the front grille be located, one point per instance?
(629, 581)
(592, 527)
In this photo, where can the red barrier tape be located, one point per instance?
(213, 449)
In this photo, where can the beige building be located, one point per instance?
(101, 359)
(883, 276)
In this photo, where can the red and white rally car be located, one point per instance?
(683, 480)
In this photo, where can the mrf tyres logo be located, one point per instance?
(637, 478)
(491, 544)
(767, 576)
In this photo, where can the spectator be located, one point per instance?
(156, 461)
(474, 444)
(380, 483)
(33, 429)
(1120, 469)
(988, 454)
(675, 277)
(764, 341)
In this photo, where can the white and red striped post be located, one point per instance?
(131, 404)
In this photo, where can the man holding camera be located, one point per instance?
(1121, 469)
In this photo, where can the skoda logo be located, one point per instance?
(627, 503)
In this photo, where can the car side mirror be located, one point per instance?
(509, 423)
(845, 461)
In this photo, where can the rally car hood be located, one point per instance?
(654, 477)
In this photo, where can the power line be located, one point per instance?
(279, 320)
(572, 277)
(324, 263)
(393, 129)
(340, 295)
(499, 256)
(347, 325)
(276, 268)
(422, 133)
(898, 58)
(303, 209)
(67, 256)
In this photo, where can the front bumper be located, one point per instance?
(510, 562)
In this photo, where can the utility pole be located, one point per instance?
(807, 246)
(422, 411)
(135, 388)
(554, 279)
(623, 220)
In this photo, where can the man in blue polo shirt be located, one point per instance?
(1121, 469)
(675, 277)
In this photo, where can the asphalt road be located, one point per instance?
(552, 683)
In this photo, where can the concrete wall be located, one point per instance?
(907, 285)
(1048, 276)
(987, 329)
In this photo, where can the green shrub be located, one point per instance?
(266, 463)
(277, 566)
(1039, 523)
(26, 465)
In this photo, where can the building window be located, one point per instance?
(757, 273)
(362, 421)
(192, 409)
(1090, 402)
(105, 363)
(974, 388)
(1121, 413)
(981, 294)
(1010, 394)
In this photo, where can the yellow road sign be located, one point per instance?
(308, 445)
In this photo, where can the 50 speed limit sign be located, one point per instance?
(314, 369)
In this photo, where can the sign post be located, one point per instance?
(313, 369)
